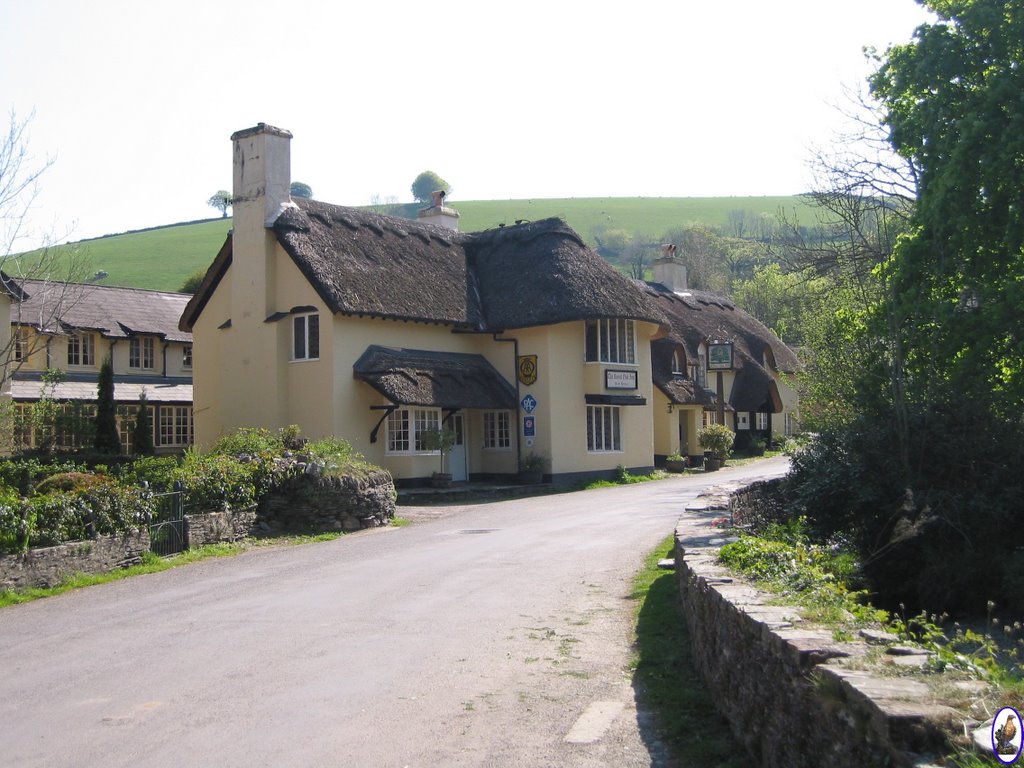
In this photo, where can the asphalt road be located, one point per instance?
(490, 635)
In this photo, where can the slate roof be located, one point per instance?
(697, 316)
(439, 379)
(365, 264)
(117, 313)
(28, 385)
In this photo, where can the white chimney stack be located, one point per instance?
(438, 213)
(262, 171)
(669, 271)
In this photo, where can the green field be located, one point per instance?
(161, 258)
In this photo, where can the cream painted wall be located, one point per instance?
(210, 401)
(564, 379)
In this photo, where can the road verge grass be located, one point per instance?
(664, 678)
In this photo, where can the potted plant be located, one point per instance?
(531, 468)
(676, 462)
(441, 440)
(717, 440)
(758, 446)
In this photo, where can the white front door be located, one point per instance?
(457, 455)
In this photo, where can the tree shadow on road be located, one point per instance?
(678, 721)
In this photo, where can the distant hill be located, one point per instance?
(163, 257)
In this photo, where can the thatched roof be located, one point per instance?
(697, 316)
(365, 264)
(361, 263)
(116, 313)
(438, 379)
(541, 273)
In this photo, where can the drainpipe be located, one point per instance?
(164, 372)
(515, 375)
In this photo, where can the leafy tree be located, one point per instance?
(426, 184)
(953, 108)
(193, 281)
(106, 440)
(612, 243)
(221, 200)
(298, 189)
(142, 434)
(924, 475)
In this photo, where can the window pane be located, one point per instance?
(398, 430)
(590, 333)
(299, 338)
(313, 327)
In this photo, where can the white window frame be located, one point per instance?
(82, 350)
(761, 421)
(175, 426)
(610, 340)
(404, 427)
(604, 429)
(186, 356)
(497, 431)
(710, 418)
(21, 344)
(702, 366)
(126, 426)
(678, 362)
(142, 353)
(300, 331)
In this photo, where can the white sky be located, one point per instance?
(135, 101)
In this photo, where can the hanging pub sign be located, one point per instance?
(719, 355)
(527, 365)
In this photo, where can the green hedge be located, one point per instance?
(103, 507)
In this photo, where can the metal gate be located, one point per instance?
(167, 526)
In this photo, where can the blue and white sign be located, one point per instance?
(529, 426)
(528, 403)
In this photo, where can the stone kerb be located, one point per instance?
(49, 566)
(790, 693)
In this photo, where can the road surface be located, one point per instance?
(492, 635)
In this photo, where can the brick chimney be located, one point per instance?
(669, 271)
(439, 214)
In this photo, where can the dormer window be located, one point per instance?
(702, 366)
(81, 349)
(610, 341)
(678, 362)
(141, 352)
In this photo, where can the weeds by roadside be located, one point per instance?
(667, 685)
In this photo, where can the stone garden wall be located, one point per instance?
(317, 503)
(216, 527)
(793, 696)
(49, 566)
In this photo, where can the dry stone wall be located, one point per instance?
(317, 503)
(791, 694)
(49, 566)
(216, 527)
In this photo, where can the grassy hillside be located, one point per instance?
(162, 258)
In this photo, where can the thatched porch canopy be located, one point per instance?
(449, 380)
